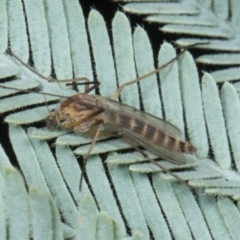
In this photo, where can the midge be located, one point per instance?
(87, 114)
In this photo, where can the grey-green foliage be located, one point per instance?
(215, 22)
(162, 205)
(36, 214)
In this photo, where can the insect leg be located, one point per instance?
(98, 129)
(154, 162)
(73, 81)
(96, 85)
(120, 89)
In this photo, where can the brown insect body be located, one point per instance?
(81, 113)
(86, 114)
(148, 131)
(75, 113)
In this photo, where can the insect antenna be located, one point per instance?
(46, 103)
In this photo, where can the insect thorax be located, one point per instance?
(78, 113)
(53, 120)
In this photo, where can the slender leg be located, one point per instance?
(120, 89)
(96, 85)
(98, 129)
(154, 162)
(87, 82)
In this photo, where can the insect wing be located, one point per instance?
(125, 114)
(153, 120)
(161, 151)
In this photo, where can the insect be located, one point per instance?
(87, 114)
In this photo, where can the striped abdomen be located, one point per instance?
(147, 132)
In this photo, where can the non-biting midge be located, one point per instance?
(86, 114)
